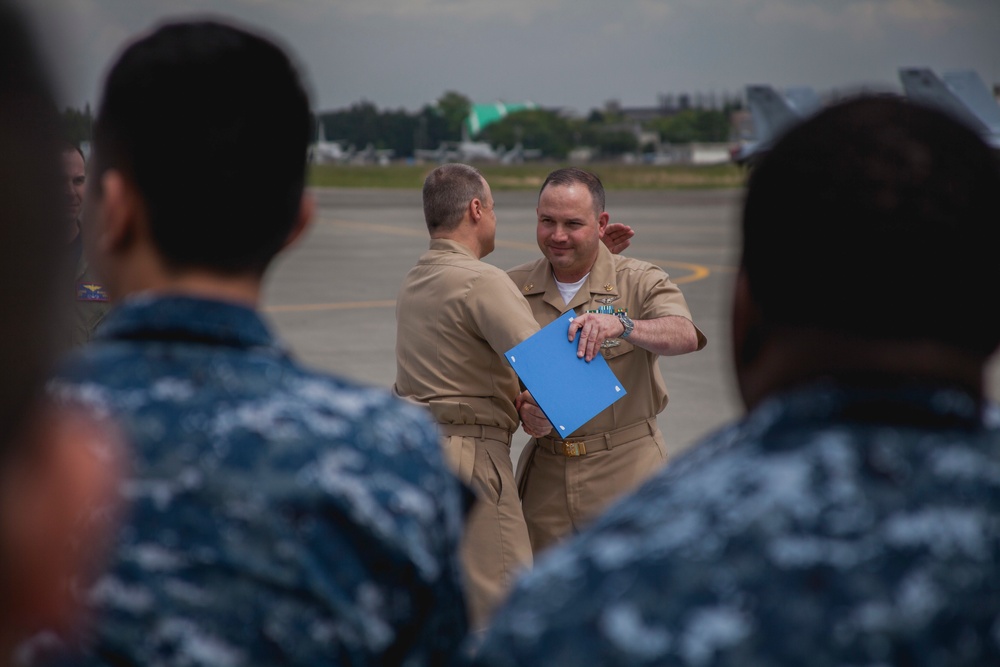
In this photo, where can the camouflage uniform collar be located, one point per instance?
(188, 319)
(869, 401)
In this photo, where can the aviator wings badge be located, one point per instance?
(607, 299)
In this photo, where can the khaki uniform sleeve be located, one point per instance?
(663, 298)
(501, 313)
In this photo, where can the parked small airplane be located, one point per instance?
(459, 151)
(518, 154)
(324, 151)
(962, 94)
(476, 151)
(443, 153)
(772, 114)
(371, 155)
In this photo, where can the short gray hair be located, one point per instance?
(447, 192)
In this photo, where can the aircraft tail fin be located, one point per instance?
(971, 90)
(803, 100)
(772, 113)
(923, 85)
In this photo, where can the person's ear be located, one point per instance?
(118, 212)
(475, 209)
(58, 503)
(602, 224)
(307, 211)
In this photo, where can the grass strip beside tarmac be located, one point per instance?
(615, 176)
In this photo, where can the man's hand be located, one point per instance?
(594, 329)
(533, 420)
(616, 237)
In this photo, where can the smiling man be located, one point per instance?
(631, 313)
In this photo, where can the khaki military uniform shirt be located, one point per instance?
(622, 282)
(566, 483)
(457, 316)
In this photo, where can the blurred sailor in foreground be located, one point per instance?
(277, 515)
(853, 516)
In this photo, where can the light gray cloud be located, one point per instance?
(576, 53)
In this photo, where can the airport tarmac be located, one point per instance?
(332, 296)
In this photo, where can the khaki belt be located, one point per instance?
(476, 431)
(598, 443)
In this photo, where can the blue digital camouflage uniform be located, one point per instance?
(830, 527)
(278, 516)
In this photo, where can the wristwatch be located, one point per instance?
(627, 323)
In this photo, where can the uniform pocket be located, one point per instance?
(623, 347)
(489, 483)
(524, 466)
(460, 456)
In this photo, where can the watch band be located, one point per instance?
(627, 323)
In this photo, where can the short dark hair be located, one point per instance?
(878, 218)
(573, 176)
(73, 147)
(32, 234)
(447, 192)
(212, 124)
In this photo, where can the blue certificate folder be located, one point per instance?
(569, 390)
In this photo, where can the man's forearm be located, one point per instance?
(665, 336)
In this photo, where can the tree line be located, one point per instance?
(608, 133)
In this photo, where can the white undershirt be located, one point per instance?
(569, 290)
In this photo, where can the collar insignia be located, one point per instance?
(91, 292)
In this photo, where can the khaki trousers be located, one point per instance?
(495, 547)
(561, 494)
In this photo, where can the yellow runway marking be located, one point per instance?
(698, 272)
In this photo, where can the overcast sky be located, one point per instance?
(571, 53)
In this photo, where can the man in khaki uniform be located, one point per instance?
(456, 317)
(91, 302)
(566, 483)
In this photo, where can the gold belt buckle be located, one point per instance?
(574, 448)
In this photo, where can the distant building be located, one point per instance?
(482, 115)
(644, 114)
